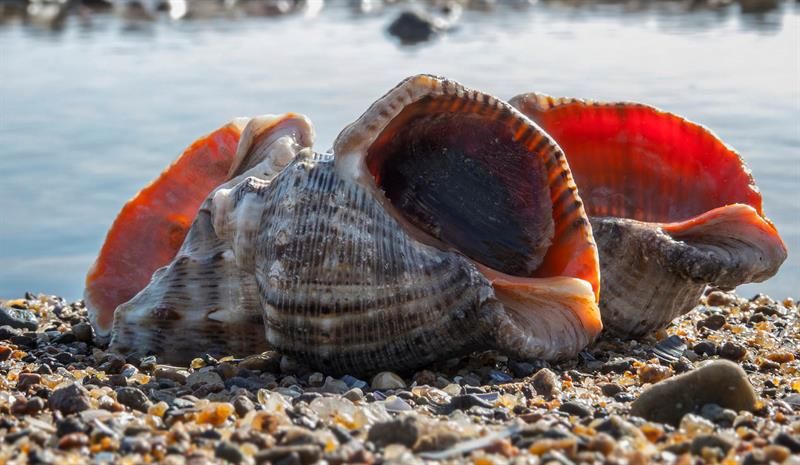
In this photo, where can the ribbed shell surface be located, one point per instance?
(344, 287)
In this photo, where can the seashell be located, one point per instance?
(442, 222)
(672, 207)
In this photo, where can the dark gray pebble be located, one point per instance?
(467, 401)
(72, 398)
(611, 389)
(521, 369)
(713, 322)
(790, 442)
(578, 409)
(399, 431)
(712, 442)
(243, 405)
(18, 318)
(83, 332)
(228, 451)
(133, 398)
(732, 351)
(617, 365)
(307, 454)
(705, 348)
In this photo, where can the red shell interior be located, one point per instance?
(634, 161)
(151, 227)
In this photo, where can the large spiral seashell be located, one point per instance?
(444, 221)
(672, 207)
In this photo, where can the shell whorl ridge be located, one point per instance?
(673, 208)
(327, 259)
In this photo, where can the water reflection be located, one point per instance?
(417, 20)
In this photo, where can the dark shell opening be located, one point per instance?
(458, 170)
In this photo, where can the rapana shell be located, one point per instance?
(443, 221)
(673, 208)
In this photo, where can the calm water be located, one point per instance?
(92, 112)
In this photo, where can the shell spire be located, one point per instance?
(152, 225)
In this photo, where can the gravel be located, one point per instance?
(720, 385)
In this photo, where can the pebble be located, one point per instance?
(521, 369)
(718, 414)
(705, 348)
(334, 386)
(546, 383)
(26, 380)
(467, 401)
(387, 380)
(720, 382)
(403, 431)
(732, 351)
(354, 395)
(83, 332)
(713, 322)
(171, 373)
(611, 389)
(73, 440)
(72, 398)
(712, 442)
(576, 408)
(18, 318)
(720, 299)
(617, 365)
(211, 380)
(651, 373)
(306, 454)
(230, 452)
(265, 362)
(243, 405)
(469, 409)
(133, 398)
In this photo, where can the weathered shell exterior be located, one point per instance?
(205, 301)
(301, 252)
(673, 209)
(152, 226)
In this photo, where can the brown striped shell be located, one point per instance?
(443, 222)
(673, 208)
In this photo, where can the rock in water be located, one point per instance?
(18, 318)
(720, 382)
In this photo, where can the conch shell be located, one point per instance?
(443, 221)
(672, 207)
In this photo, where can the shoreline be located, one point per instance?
(65, 400)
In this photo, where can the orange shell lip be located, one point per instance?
(151, 226)
(635, 161)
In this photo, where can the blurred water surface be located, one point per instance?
(94, 109)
